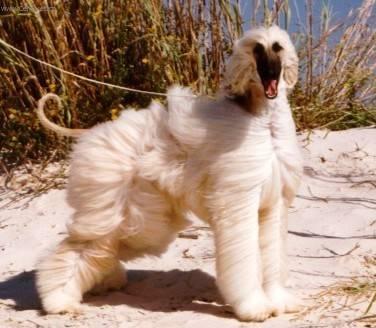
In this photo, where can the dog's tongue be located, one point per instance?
(270, 87)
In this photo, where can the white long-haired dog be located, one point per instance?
(234, 162)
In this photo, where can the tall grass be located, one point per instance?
(153, 43)
(338, 89)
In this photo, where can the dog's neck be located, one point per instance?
(253, 103)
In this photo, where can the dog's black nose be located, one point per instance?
(274, 67)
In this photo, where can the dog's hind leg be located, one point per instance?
(114, 280)
(73, 269)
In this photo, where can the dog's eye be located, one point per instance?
(276, 47)
(259, 48)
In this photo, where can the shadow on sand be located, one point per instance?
(22, 290)
(147, 290)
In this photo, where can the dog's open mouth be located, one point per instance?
(270, 88)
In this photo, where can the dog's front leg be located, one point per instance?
(236, 234)
(273, 258)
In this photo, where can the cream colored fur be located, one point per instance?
(133, 180)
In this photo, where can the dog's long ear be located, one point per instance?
(290, 69)
(239, 68)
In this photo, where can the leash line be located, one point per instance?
(7, 45)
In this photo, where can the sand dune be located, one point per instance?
(332, 247)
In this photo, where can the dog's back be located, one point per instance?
(103, 167)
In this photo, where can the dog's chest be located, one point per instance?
(283, 174)
(286, 150)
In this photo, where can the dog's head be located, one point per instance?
(261, 59)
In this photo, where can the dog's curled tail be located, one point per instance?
(50, 125)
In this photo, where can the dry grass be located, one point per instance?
(145, 45)
(151, 44)
(357, 294)
(31, 181)
(338, 89)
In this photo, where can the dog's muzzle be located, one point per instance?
(268, 68)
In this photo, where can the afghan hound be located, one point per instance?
(232, 161)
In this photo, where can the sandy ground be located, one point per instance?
(332, 246)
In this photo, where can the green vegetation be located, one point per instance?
(151, 44)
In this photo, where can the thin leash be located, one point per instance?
(7, 45)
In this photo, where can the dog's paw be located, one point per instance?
(60, 302)
(256, 307)
(282, 300)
